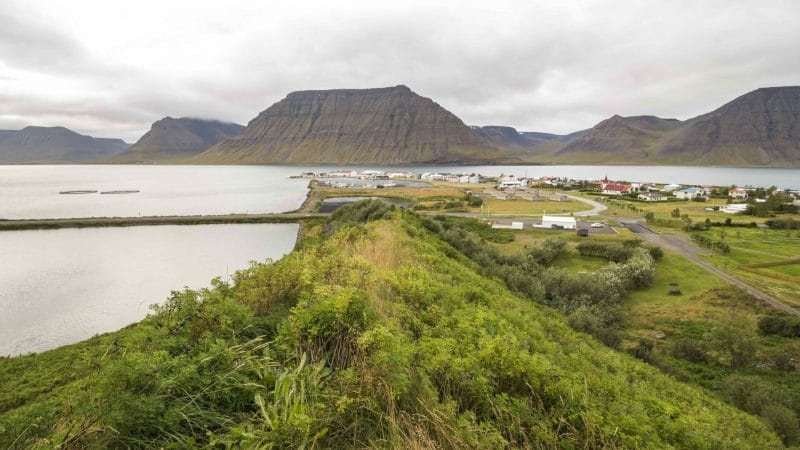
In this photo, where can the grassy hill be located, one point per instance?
(378, 331)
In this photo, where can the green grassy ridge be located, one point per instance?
(376, 335)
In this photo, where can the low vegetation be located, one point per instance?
(383, 329)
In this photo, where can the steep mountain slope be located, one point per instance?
(54, 145)
(390, 125)
(171, 140)
(759, 128)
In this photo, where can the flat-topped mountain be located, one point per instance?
(173, 140)
(54, 145)
(390, 125)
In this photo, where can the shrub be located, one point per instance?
(781, 325)
(688, 350)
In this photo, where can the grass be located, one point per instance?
(759, 245)
(375, 334)
(434, 197)
(519, 206)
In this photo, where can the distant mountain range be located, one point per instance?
(394, 125)
(54, 145)
(760, 128)
(390, 125)
(175, 140)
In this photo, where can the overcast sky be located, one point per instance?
(111, 68)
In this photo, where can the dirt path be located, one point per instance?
(681, 244)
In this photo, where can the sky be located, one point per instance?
(111, 68)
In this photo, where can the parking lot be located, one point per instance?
(535, 223)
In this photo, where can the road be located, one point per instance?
(680, 243)
(39, 224)
(597, 207)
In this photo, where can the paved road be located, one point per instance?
(597, 207)
(680, 243)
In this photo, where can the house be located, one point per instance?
(738, 194)
(671, 187)
(509, 182)
(689, 193)
(565, 222)
(616, 189)
(474, 179)
(734, 208)
(432, 177)
(512, 226)
(653, 197)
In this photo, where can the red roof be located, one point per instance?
(616, 187)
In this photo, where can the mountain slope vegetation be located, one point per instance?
(378, 331)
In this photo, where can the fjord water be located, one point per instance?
(32, 192)
(58, 287)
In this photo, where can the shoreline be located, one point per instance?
(95, 222)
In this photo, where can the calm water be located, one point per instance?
(32, 192)
(62, 286)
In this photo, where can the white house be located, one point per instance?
(432, 177)
(509, 182)
(653, 197)
(689, 193)
(738, 193)
(734, 208)
(565, 222)
(474, 179)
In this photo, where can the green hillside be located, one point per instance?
(375, 332)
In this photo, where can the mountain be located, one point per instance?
(172, 140)
(391, 125)
(506, 137)
(618, 137)
(54, 145)
(760, 128)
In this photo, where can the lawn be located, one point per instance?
(522, 207)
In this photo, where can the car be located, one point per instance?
(597, 225)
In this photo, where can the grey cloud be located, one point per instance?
(545, 66)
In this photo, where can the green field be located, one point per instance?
(760, 245)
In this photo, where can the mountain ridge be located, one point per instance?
(41, 145)
(175, 139)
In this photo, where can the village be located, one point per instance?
(730, 200)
